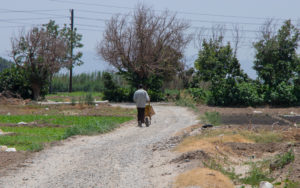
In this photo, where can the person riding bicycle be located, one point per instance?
(141, 97)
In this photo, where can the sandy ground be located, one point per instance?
(123, 158)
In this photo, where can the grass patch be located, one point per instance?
(282, 160)
(256, 175)
(33, 138)
(78, 95)
(212, 164)
(213, 118)
(263, 136)
(62, 120)
(288, 184)
(89, 129)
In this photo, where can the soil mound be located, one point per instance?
(204, 178)
(8, 97)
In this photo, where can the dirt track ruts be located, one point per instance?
(121, 158)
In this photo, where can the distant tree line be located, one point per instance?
(4, 64)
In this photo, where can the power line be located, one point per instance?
(28, 19)
(30, 12)
(9, 11)
(179, 12)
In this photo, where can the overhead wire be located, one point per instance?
(179, 12)
(96, 28)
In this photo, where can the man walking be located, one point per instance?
(141, 97)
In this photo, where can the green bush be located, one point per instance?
(172, 95)
(232, 93)
(213, 118)
(282, 94)
(89, 99)
(14, 80)
(113, 92)
(200, 95)
(156, 96)
(248, 94)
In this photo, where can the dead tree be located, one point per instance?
(144, 44)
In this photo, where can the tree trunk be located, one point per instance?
(50, 84)
(70, 80)
(36, 88)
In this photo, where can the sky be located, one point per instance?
(90, 17)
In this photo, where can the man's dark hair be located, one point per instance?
(140, 86)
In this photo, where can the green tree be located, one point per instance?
(216, 62)
(276, 59)
(74, 42)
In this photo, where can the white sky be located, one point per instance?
(90, 16)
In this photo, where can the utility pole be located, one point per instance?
(71, 51)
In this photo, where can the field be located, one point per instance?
(34, 127)
(244, 147)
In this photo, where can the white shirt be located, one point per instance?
(141, 97)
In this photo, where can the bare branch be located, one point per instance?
(144, 43)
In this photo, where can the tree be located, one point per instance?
(40, 53)
(276, 60)
(74, 41)
(144, 45)
(217, 61)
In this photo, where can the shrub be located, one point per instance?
(282, 160)
(248, 94)
(155, 96)
(230, 92)
(213, 118)
(185, 99)
(199, 94)
(283, 94)
(89, 99)
(172, 95)
(255, 176)
(14, 80)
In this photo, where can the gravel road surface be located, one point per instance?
(122, 158)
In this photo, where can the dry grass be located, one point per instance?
(211, 145)
(203, 177)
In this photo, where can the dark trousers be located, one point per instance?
(141, 114)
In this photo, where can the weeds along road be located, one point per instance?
(121, 158)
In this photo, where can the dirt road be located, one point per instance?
(123, 158)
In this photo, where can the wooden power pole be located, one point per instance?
(71, 51)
